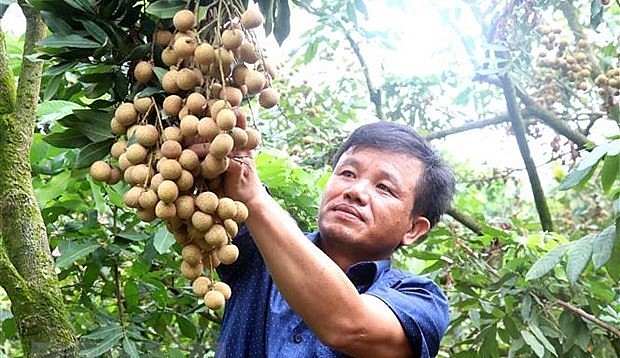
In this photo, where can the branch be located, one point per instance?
(375, 94)
(590, 317)
(7, 83)
(466, 220)
(530, 166)
(10, 279)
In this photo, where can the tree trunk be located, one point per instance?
(26, 266)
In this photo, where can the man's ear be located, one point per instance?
(419, 226)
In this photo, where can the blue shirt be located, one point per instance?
(258, 322)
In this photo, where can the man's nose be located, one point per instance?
(358, 192)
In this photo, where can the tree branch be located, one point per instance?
(530, 166)
(466, 220)
(590, 317)
(375, 94)
(10, 279)
(7, 84)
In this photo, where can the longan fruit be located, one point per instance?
(255, 80)
(210, 260)
(207, 201)
(185, 181)
(189, 160)
(171, 149)
(189, 126)
(217, 106)
(211, 166)
(251, 18)
(100, 170)
(169, 56)
(147, 135)
(242, 121)
(202, 221)
(162, 37)
(208, 129)
(142, 104)
(191, 254)
(168, 191)
(126, 114)
(226, 119)
(185, 206)
(247, 53)
(116, 127)
(123, 162)
(172, 133)
(204, 54)
(115, 175)
(146, 215)
(169, 83)
(239, 136)
(136, 153)
(180, 235)
(232, 229)
(221, 145)
(216, 236)
(155, 181)
(232, 38)
(186, 79)
(191, 272)
(170, 169)
(268, 97)
(239, 72)
(223, 288)
(228, 254)
(214, 300)
(165, 211)
(140, 174)
(143, 72)
(233, 95)
(172, 104)
(201, 285)
(185, 46)
(148, 199)
(196, 102)
(242, 213)
(254, 138)
(226, 208)
(184, 20)
(131, 197)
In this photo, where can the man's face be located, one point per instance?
(367, 203)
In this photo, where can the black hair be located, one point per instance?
(434, 189)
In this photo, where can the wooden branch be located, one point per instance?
(590, 317)
(530, 166)
(7, 83)
(10, 279)
(466, 220)
(375, 94)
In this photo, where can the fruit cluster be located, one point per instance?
(173, 149)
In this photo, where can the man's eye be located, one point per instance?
(384, 188)
(347, 173)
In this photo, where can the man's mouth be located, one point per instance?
(348, 209)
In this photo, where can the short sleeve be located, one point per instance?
(420, 306)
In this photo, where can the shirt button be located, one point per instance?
(297, 338)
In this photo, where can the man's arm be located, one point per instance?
(312, 284)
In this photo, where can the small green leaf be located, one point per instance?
(578, 257)
(361, 7)
(187, 327)
(474, 316)
(95, 189)
(610, 171)
(53, 189)
(95, 31)
(68, 41)
(531, 341)
(547, 262)
(49, 112)
(132, 298)
(591, 158)
(70, 138)
(130, 348)
(95, 125)
(93, 152)
(163, 240)
(165, 9)
(9, 329)
(575, 177)
(102, 347)
(541, 337)
(613, 265)
(311, 51)
(83, 5)
(71, 251)
(603, 246)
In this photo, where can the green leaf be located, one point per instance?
(489, 346)
(71, 251)
(163, 240)
(53, 189)
(95, 31)
(83, 5)
(266, 8)
(70, 138)
(610, 171)
(165, 9)
(93, 152)
(311, 51)
(474, 316)
(547, 262)
(133, 235)
(531, 341)
(575, 177)
(95, 189)
(282, 25)
(578, 257)
(102, 347)
(9, 329)
(613, 265)
(132, 297)
(591, 158)
(596, 14)
(130, 348)
(95, 125)
(361, 7)
(603, 246)
(67, 41)
(541, 337)
(49, 112)
(187, 327)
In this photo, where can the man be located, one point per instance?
(333, 293)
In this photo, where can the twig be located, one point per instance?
(590, 317)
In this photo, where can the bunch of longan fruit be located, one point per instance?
(173, 147)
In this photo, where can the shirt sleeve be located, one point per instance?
(422, 309)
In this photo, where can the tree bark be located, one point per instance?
(27, 271)
(530, 166)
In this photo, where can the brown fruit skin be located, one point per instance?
(201, 285)
(232, 38)
(165, 211)
(172, 133)
(233, 95)
(170, 169)
(247, 53)
(171, 149)
(189, 160)
(216, 236)
(253, 138)
(240, 137)
(204, 54)
(168, 191)
(100, 171)
(191, 272)
(147, 135)
(228, 254)
(184, 20)
(221, 145)
(191, 254)
(232, 229)
(251, 18)
(169, 84)
(189, 126)
(130, 198)
(115, 175)
(226, 119)
(207, 202)
(185, 181)
(242, 121)
(202, 221)
(173, 104)
(255, 80)
(211, 166)
(148, 199)
(185, 206)
(268, 98)
(169, 57)
(242, 213)
(223, 288)
(142, 104)
(136, 153)
(185, 46)
(143, 72)
(196, 102)
(162, 37)
(126, 114)
(214, 300)
(239, 72)
(226, 208)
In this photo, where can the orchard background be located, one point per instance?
(529, 254)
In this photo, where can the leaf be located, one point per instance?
(165, 9)
(266, 8)
(163, 240)
(609, 172)
(132, 298)
(547, 262)
(351, 16)
(578, 257)
(603, 246)
(613, 265)
(53, 189)
(95, 190)
(592, 158)
(95, 125)
(83, 5)
(531, 341)
(130, 348)
(282, 25)
(93, 152)
(70, 138)
(311, 51)
(49, 112)
(63, 42)
(361, 7)
(575, 177)
(596, 14)
(474, 316)
(103, 332)
(95, 31)
(71, 251)
(102, 347)
(187, 327)
(541, 337)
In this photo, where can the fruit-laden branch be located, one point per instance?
(7, 85)
(530, 166)
(590, 317)
(571, 13)
(375, 94)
